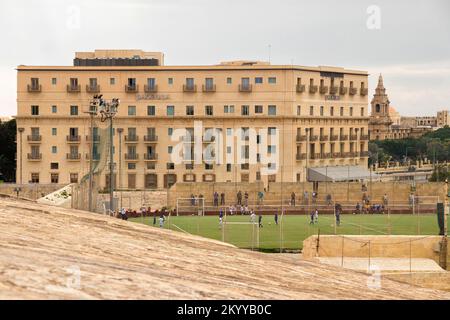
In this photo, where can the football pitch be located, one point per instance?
(293, 229)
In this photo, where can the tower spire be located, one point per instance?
(380, 82)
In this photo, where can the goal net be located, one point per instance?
(191, 206)
(242, 234)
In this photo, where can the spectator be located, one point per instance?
(311, 217)
(328, 199)
(252, 217)
(192, 200)
(162, 218)
(293, 199)
(337, 210)
(260, 220)
(411, 199)
(220, 217)
(246, 198)
(232, 209)
(155, 213)
(276, 218)
(260, 197)
(385, 200)
(314, 197)
(316, 216)
(305, 198)
(216, 199)
(239, 197)
(222, 199)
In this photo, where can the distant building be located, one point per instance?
(5, 119)
(443, 118)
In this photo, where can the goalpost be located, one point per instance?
(192, 206)
(254, 241)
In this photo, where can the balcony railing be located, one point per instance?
(131, 138)
(150, 89)
(333, 89)
(73, 138)
(93, 88)
(131, 156)
(353, 91)
(343, 90)
(34, 138)
(334, 137)
(73, 88)
(343, 137)
(364, 154)
(189, 88)
(96, 138)
(73, 156)
(245, 88)
(300, 88)
(151, 138)
(300, 138)
(353, 137)
(313, 138)
(132, 88)
(312, 89)
(34, 156)
(150, 156)
(363, 91)
(209, 88)
(34, 88)
(300, 156)
(323, 89)
(337, 155)
(324, 138)
(365, 137)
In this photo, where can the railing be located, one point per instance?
(364, 154)
(343, 90)
(131, 156)
(150, 138)
(150, 156)
(353, 137)
(313, 138)
(93, 88)
(324, 138)
(338, 155)
(300, 138)
(189, 88)
(300, 156)
(73, 138)
(333, 89)
(34, 88)
(364, 91)
(334, 137)
(73, 156)
(245, 88)
(73, 88)
(365, 137)
(150, 89)
(34, 138)
(312, 89)
(343, 137)
(323, 89)
(132, 89)
(34, 156)
(300, 88)
(353, 91)
(209, 88)
(131, 138)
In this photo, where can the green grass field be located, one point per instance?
(290, 234)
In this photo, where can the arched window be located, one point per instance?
(377, 108)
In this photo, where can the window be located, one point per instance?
(189, 110)
(35, 178)
(271, 149)
(341, 111)
(54, 166)
(132, 83)
(170, 166)
(169, 149)
(331, 111)
(170, 110)
(351, 111)
(258, 80)
(150, 110)
(112, 81)
(228, 109)
(132, 166)
(271, 131)
(272, 80)
(244, 110)
(54, 178)
(132, 181)
(228, 167)
(131, 110)
(209, 110)
(73, 110)
(258, 109)
(54, 131)
(209, 83)
(34, 110)
(151, 83)
(299, 110)
(311, 110)
(244, 177)
(190, 83)
(74, 178)
(54, 149)
(258, 175)
(229, 131)
(362, 112)
(229, 81)
(321, 110)
(93, 83)
(272, 110)
(170, 81)
(54, 109)
(169, 131)
(53, 81)
(209, 166)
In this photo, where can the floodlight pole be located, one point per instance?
(92, 112)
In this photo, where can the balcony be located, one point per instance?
(131, 139)
(209, 88)
(343, 137)
(151, 138)
(325, 155)
(324, 138)
(363, 91)
(313, 138)
(337, 155)
(34, 156)
(189, 88)
(343, 90)
(300, 88)
(34, 88)
(73, 88)
(150, 156)
(93, 88)
(365, 137)
(333, 89)
(245, 88)
(300, 156)
(209, 139)
(96, 138)
(131, 156)
(150, 89)
(315, 156)
(323, 89)
(34, 138)
(334, 137)
(353, 91)
(312, 89)
(73, 139)
(95, 157)
(364, 154)
(353, 137)
(73, 156)
(131, 88)
(300, 138)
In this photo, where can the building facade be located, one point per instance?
(313, 117)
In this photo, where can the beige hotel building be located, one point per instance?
(320, 113)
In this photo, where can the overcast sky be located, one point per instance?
(407, 41)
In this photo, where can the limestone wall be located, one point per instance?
(156, 199)
(29, 191)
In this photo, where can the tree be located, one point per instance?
(8, 150)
